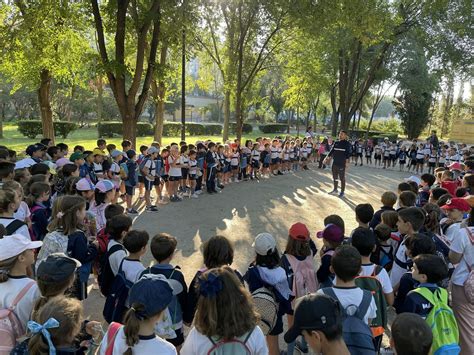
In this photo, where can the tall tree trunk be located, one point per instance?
(315, 108)
(44, 99)
(2, 119)
(159, 91)
(335, 111)
(448, 104)
(225, 129)
(100, 98)
(238, 114)
(358, 119)
(130, 121)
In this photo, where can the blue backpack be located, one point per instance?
(356, 333)
(115, 304)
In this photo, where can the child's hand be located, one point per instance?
(93, 328)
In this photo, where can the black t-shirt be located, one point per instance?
(340, 152)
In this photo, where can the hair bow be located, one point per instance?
(59, 215)
(211, 286)
(43, 329)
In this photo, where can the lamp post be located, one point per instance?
(183, 76)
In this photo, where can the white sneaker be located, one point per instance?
(198, 192)
(194, 196)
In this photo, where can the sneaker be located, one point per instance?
(279, 172)
(333, 192)
(220, 186)
(132, 211)
(341, 195)
(151, 209)
(194, 196)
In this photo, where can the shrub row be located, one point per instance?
(273, 128)
(246, 128)
(33, 128)
(110, 129)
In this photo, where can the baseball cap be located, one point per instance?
(331, 233)
(153, 150)
(34, 148)
(104, 185)
(15, 244)
(299, 231)
(76, 156)
(57, 267)
(414, 179)
(61, 162)
(457, 203)
(84, 185)
(455, 166)
(153, 292)
(314, 312)
(98, 151)
(115, 153)
(264, 242)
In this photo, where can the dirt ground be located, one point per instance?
(245, 209)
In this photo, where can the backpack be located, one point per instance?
(53, 242)
(304, 276)
(356, 333)
(14, 226)
(142, 165)
(10, 326)
(123, 173)
(236, 346)
(383, 258)
(372, 284)
(111, 335)
(267, 306)
(33, 235)
(103, 239)
(469, 283)
(441, 321)
(114, 307)
(106, 277)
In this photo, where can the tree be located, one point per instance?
(416, 84)
(136, 34)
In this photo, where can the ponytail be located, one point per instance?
(35, 192)
(132, 324)
(7, 197)
(6, 266)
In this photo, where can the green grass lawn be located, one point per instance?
(87, 137)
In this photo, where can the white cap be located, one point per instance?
(414, 178)
(153, 150)
(264, 242)
(13, 245)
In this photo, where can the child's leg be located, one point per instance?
(147, 193)
(272, 343)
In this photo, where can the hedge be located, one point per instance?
(246, 128)
(32, 128)
(273, 128)
(109, 129)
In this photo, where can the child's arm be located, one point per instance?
(323, 272)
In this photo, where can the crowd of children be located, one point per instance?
(60, 223)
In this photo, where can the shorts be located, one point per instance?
(130, 190)
(148, 184)
(234, 167)
(377, 157)
(141, 179)
(432, 164)
(179, 340)
(255, 164)
(402, 162)
(165, 178)
(420, 161)
(386, 158)
(226, 168)
(359, 155)
(184, 173)
(266, 165)
(393, 157)
(413, 162)
(157, 181)
(304, 159)
(174, 178)
(192, 177)
(275, 161)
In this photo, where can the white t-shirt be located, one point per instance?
(174, 171)
(452, 231)
(132, 269)
(116, 258)
(397, 271)
(145, 346)
(198, 344)
(462, 245)
(23, 230)
(10, 289)
(368, 269)
(23, 212)
(353, 296)
(151, 165)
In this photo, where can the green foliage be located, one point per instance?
(246, 128)
(31, 128)
(273, 128)
(110, 129)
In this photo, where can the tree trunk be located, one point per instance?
(159, 92)
(129, 125)
(335, 111)
(225, 129)
(315, 108)
(290, 115)
(44, 100)
(100, 100)
(2, 118)
(358, 119)
(238, 114)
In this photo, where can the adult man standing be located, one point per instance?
(434, 139)
(340, 153)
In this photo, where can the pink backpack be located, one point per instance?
(304, 275)
(10, 326)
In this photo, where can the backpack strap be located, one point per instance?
(111, 335)
(433, 298)
(114, 249)
(21, 294)
(364, 304)
(14, 226)
(377, 270)
(329, 291)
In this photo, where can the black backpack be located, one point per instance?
(106, 276)
(114, 307)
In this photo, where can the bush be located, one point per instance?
(246, 128)
(213, 129)
(195, 129)
(171, 129)
(273, 128)
(32, 128)
(144, 129)
(109, 129)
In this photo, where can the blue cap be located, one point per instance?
(153, 150)
(153, 292)
(105, 185)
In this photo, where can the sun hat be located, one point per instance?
(98, 151)
(115, 153)
(57, 267)
(299, 231)
(15, 244)
(331, 233)
(76, 156)
(84, 185)
(264, 242)
(153, 293)
(457, 203)
(105, 185)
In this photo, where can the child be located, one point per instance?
(448, 182)
(225, 312)
(265, 158)
(85, 189)
(23, 212)
(71, 215)
(388, 199)
(298, 262)
(364, 213)
(402, 158)
(184, 162)
(103, 195)
(266, 271)
(368, 153)
(364, 241)
(148, 170)
(163, 247)
(117, 227)
(148, 299)
(174, 162)
(77, 158)
(378, 155)
(22, 176)
(406, 199)
(140, 178)
(7, 171)
(98, 156)
(255, 164)
(135, 242)
(114, 172)
(410, 221)
(275, 160)
(427, 181)
(346, 264)
(410, 335)
(384, 250)
(333, 236)
(37, 199)
(234, 163)
(17, 290)
(454, 209)
(420, 159)
(432, 160)
(211, 162)
(129, 176)
(89, 166)
(193, 170)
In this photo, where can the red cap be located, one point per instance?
(457, 203)
(455, 166)
(299, 231)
